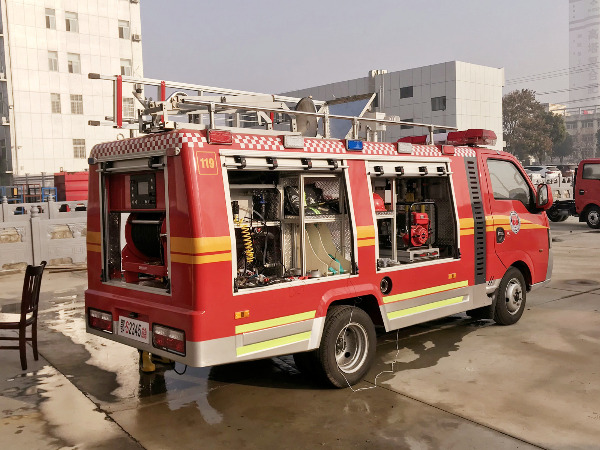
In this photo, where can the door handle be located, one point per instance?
(581, 191)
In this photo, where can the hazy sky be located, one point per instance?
(275, 46)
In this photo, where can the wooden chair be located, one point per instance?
(29, 311)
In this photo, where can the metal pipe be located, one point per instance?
(119, 101)
(195, 87)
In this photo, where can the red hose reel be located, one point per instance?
(419, 230)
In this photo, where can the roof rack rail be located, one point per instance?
(300, 115)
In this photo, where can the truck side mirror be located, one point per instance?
(544, 198)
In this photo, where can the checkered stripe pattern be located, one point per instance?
(466, 152)
(151, 143)
(254, 142)
(379, 148)
(192, 139)
(426, 150)
(324, 146)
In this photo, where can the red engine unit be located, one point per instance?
(419, 230)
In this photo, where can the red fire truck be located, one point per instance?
(214, 243)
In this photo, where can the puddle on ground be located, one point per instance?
(104, 369)
(582, 282)
(413, 349)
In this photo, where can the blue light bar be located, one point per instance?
(354, 145)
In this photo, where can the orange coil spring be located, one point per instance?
(247, 241)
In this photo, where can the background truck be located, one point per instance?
(586, 193)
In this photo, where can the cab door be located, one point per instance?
(587, 189)
(521, 231)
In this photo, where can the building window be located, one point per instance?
(53, 61)
(572, 126)
(50, 19)
(406, 127)
(74, 63)
(438, 103)
(2, 149)
(79, 148)
(76, 104)
(124, 32)
(55, 102)
(71, 22)
(128, 108)
(406, 92)
(588, 124)
(126, 67)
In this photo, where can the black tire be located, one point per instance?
(592, 217)
(510, 298)
(347, 346)
(564, 217)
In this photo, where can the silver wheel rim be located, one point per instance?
(594, 217)
(514, 296)
(351, 347)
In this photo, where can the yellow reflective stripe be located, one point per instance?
(93, 247)
(267, 345)
(467, 232)
(201, 244)
(200, 259)
(367, 231)
(270, 323)
(423, 308)
(366, 243)
(426, 291)
(93, 237)
(466, 223)
(532, 226)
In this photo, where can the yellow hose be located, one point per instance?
(247, 241)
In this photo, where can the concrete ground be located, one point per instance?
(452, 383)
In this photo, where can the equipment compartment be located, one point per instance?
(415, 218)
(268, 216)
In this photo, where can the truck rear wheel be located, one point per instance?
(592, 217)
(510, 297)
(347, 346)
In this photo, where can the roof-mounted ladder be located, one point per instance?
(160, 115)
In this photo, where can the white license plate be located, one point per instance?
(134, 329)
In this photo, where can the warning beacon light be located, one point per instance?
(417, 140)
(472, 137)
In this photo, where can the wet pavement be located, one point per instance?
(452, 383)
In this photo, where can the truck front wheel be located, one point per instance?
(510, 297)
(347, 347)
(556, 215)
(592, 217)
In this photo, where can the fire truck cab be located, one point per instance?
(212, 245)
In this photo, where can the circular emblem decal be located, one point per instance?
(515, 222)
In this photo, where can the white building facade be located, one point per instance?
(584, 52)
(46, 99)
(455, 94)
